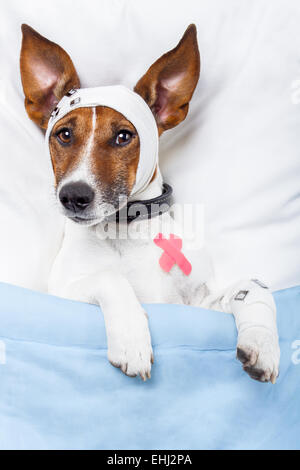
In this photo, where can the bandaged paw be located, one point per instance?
(258, 350)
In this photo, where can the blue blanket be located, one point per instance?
(58, 391)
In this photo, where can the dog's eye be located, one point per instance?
(123, 138)
(64, 136)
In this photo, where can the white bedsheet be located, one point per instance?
(238, 152)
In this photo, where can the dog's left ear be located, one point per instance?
(47, 73)
(169, 84)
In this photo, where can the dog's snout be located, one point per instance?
(76, 197)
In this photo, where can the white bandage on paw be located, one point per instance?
(252, 305)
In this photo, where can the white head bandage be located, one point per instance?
(133, 108)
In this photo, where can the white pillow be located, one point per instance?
(238, 152)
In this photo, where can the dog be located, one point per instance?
(96, 152)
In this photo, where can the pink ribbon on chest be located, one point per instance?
(172, 254)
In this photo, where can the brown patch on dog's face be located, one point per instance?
(99, 147)
(118, 161)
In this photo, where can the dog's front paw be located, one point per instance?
(129, 346)
(258, 350)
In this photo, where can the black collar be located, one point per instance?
(146, 209)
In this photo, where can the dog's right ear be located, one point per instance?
(169, 84)
(47, 74)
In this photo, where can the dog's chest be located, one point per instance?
(139, 261)
(85, 252)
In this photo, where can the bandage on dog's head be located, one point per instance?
(132, 107)
(103, 141)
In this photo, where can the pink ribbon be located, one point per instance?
(172, 254)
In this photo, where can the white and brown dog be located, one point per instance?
(99, 152)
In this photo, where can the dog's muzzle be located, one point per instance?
(76, 197)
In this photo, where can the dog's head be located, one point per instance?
(95, 151)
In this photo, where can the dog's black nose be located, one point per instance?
(76, 197)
